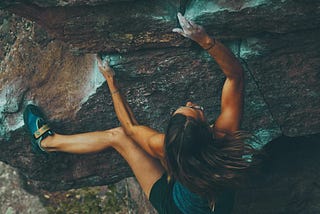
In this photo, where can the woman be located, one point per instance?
(193, 166)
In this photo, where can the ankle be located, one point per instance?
(47, 143)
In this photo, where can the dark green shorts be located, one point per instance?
(161, 196)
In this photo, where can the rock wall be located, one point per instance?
(47, 58)
(13, 198)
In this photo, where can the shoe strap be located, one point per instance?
(41, 131)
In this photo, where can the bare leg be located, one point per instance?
(146, 168)
(85, 143)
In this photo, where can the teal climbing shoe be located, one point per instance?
(37, 126)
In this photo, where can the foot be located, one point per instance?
(37, 126)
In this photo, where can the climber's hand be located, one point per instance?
(191, 30)
(104, 68)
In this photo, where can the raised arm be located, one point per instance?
(149, 139)
(232, 92)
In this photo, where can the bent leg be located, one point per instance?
(146, 168)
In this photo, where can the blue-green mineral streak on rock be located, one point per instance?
(200, 7)
(10, 119)
(96, 79)
(251, 47)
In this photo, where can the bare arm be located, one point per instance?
(149, 139)
(232, 92)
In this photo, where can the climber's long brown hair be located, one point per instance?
(205, 165)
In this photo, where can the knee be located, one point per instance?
(118, 131)
(118, 137)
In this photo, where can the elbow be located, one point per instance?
(235, 71)
(238, 71)
(240, 75)
(237, 75)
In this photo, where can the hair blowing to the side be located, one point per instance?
(205, 165)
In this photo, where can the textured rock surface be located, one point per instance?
(142, 205)
(49, 61)
(13, 198)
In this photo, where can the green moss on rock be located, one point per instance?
(86, 201)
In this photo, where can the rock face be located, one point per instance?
(48, 59)
(12, 197)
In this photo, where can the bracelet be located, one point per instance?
(212, 45)
(115, 92)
